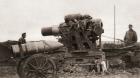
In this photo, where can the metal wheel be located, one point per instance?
(37, 66)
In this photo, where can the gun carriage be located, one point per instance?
(77, 37)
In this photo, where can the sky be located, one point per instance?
(18, 16)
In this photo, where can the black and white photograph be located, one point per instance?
(69, 39)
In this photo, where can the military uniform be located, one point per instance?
(22, 40)
(130, 37)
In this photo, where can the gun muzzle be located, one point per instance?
(46, 31)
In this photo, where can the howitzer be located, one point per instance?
(78, 34)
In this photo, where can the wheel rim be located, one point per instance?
(38, 66)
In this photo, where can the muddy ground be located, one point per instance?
(10, 72)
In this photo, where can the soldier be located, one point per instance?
(130, 36)
(22, 40)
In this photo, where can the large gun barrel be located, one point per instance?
(36, 47)
(46, 31)
(96, 27)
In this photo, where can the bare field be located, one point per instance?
(10, 72)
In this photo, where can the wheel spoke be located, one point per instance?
(38, 66)
(48, 66)
(40, 61)
(43, 71)
(46, 62)
(48, 72)
(32, 66)
(36, 60)
(30, 74)
(48, 69)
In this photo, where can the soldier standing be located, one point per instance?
(130, 36)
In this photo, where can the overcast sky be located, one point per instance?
(17, 16)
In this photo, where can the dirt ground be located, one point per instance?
(10, 72)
